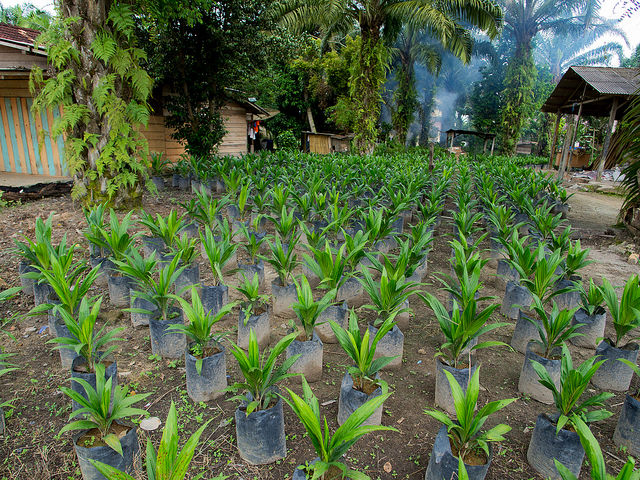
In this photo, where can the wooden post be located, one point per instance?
(565, 151)
(453, 135)
(554, 142)
(493, 144)
(575, 133)
(484, 147)
(431, 149)
(607, 140)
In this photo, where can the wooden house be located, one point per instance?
(314, 142)
(23, 150)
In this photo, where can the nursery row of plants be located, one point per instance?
(366, 239)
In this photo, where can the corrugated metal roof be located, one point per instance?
(596, 87)
(610, 80)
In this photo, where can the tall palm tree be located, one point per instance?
(378, 22)
(559, 52)
(412, 46)
(25, 15)
(524, 20)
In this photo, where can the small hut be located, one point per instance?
(590, 91)
(314, 142)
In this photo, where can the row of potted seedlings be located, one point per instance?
(462, 325)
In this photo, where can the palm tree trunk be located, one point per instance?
(90, 186)
(518, 95)
(366, 88)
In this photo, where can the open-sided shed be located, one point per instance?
(591, 91)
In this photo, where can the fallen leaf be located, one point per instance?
(151, 423)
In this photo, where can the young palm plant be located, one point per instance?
(260, 412)
(84, 340)
(283, 261)
(549, 434)
(596, 458)
(332, 448)
(166, 463)
(307, 309)
(625, 316)
(102, 408)
(466, 439)
(219, 253)
(205, 361)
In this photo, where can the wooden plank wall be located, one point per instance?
(319, 143)
(14, 59)
(19, 146)
(235, 121)
(21, 152)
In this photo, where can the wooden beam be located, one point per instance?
(575, 132)
(493, 144)
(607, 140)
(555, 139)
(565, 151)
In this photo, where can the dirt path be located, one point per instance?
(594, 212)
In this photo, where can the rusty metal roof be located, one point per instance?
(610, 80)
(600, 86)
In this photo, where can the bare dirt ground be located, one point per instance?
(32, 449)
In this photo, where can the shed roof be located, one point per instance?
(470, 132)
(599, 84)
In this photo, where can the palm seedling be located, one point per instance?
(568, 396)
(328, 265)
(591, 299)
(243, 211)
(261, 376)
(575, 260)
(595, 458)
(166, 463)
(251, 243)
(117, 237)
(199, 329)
(378, 225)
(253, 303)
(354, 248)
(461, 328)
(554, 328)
(389, 296)
(283, 261)
(95, 218)
(285, 225)
(85, 340)
(307, 309)
(68, 281)
(332, 448)
(158, 291)
(166, 229)
(543, 283)
(219, 252)
(362, 349)
(206, 209)
(545, 222)
(467, 439)
(102, 406)
(625, 313)
(186, 248)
